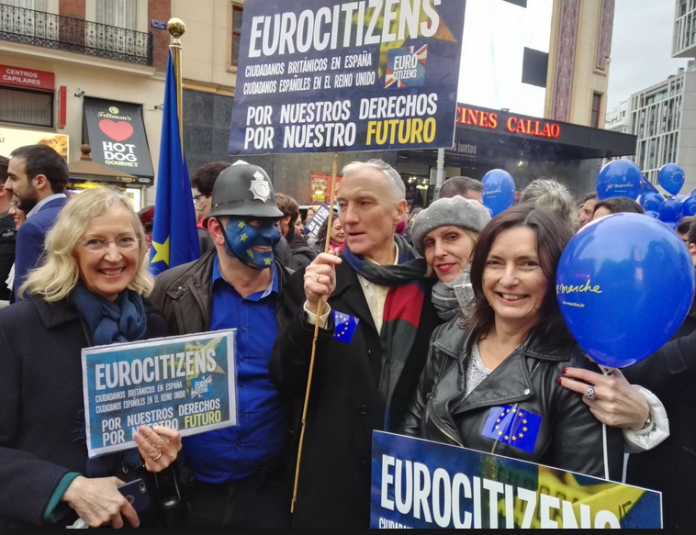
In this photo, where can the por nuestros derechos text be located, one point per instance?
(348, 25)
(403, 119)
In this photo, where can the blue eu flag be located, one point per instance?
(174, 233)
(345, 326)
(515, 427)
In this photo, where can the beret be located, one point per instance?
(455, 211)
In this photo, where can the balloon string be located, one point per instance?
(607, 371)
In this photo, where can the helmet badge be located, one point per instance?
(260, 188)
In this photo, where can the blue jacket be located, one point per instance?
(30, 241)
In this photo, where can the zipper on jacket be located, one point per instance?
(454, 439)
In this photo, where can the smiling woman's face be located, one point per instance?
(448, 251)
(514, 283)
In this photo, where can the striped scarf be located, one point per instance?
(402, 310)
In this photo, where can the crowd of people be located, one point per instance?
(455, 315)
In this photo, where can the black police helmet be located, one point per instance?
(244, 190)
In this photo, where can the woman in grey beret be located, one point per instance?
(445, 235)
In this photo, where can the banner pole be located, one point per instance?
(177, 28)
(320, 311)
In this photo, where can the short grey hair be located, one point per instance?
(459, 185)
(550, 193)
(396, 185)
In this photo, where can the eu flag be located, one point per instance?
(513, 426)
(345, 326)
(174, 233)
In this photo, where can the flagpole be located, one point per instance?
(177, 28)
(319, 311)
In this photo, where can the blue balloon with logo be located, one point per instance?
(624, 284)
(671, 210)
(651, 201)
(498, 191)
(689, 207)
(671, 177)
(620, 178)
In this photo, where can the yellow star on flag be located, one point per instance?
(241, 224)
(267, 261)
(162, 250)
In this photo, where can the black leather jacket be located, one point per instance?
(569, 438)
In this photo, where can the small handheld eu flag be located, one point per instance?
(345, 326)
(513, 426)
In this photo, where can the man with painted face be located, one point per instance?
(237, 473)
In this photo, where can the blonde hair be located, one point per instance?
(60, 272)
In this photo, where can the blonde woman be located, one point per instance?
(90, 290)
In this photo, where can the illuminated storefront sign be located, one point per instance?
(503, 121)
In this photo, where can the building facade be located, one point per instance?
(684, 38)
(579, 61)
(619, 119)
(663, 118)
(60, 60)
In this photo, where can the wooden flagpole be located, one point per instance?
(319, 312)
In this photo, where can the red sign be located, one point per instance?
(513, 124)
(27, 78)
(62, 107)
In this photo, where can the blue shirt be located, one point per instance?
(235, 453)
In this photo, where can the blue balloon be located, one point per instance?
(689, 206)
(651, 201)
(498, 191)
(646, 185)
(624, 284)
(620, 178)
(671, 210)
(671, 177)
(652, 214)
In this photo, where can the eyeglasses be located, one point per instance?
(197, 198)
(124, 244)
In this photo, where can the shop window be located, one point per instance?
(26, 107)
(236, 33)
(596, 109)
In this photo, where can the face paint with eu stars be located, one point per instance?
(252, 240)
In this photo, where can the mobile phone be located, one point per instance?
(136, 493)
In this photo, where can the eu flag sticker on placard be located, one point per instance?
(406, 67)
(345, 326)
(512, 426)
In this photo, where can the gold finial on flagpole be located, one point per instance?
(177, 28)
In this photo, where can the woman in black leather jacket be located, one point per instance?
(491, 384)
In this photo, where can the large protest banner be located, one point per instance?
(340, 75)
(421, 484)
(185, 382)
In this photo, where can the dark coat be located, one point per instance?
(671, 467)
(184, 294)
(345, 405)
(302, 253)
(570, 437)
(8, 235)
(40, 395)
(31, 238)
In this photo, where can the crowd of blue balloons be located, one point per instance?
(625, 283)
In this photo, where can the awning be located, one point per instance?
(484, 135)
(116, 133)
(86, 169)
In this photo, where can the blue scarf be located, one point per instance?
(122, 321)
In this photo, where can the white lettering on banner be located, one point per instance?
(118, 152)
(127, 373)
(439, 498)
(288, 33)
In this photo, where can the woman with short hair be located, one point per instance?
(492, 385)
(91, 290)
